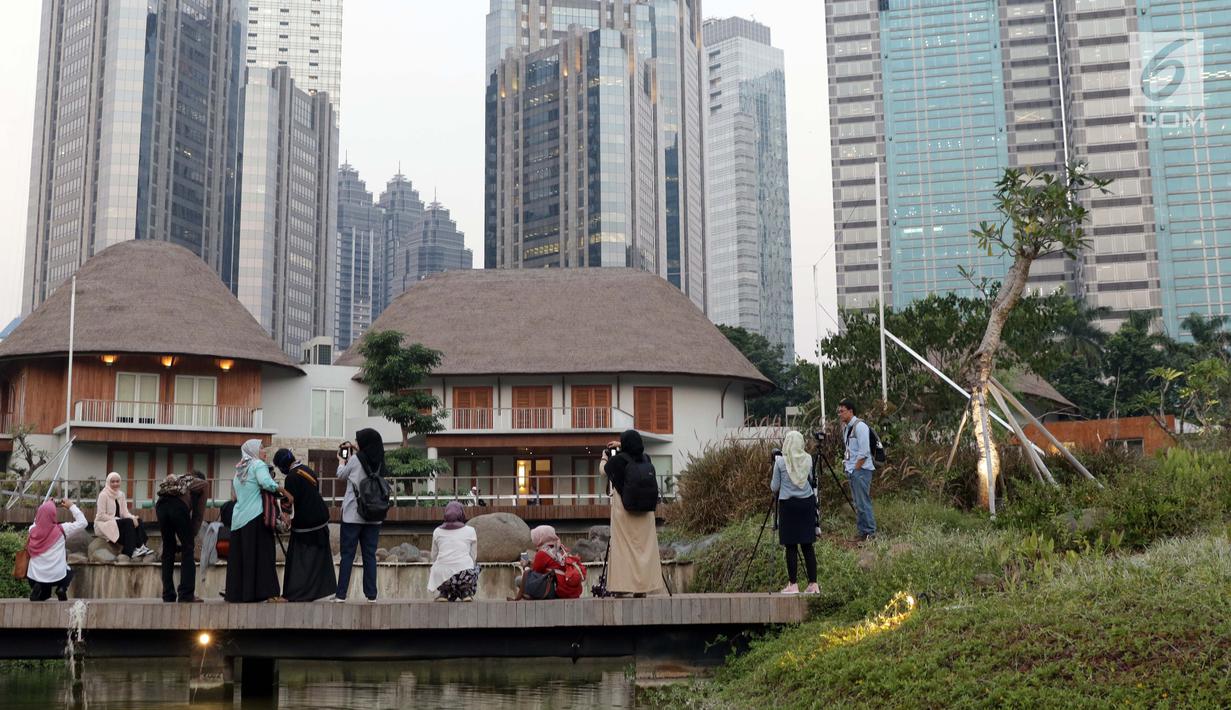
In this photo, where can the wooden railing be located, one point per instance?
(165, 414)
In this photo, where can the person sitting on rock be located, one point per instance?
(114, 522)
(48, 568)
(455, 550)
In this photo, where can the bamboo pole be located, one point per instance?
(1050, 437)
(957, 440)
(1036, 463)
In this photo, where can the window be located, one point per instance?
(532, 407)
(1136, 446)
(468, 473)
(591, 406)
(588, 483)
(136, 397)
(328, 413)
(472, 407)
(652, 409)
(195, 401)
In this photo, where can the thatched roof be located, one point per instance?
(149, 297)
(1031, 385)
(560, 321)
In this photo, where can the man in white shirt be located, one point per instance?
(859, 467)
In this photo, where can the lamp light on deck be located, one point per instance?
(109, 360)
(167, 361)
(203, 638)
(226, 365)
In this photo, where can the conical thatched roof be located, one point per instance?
(145, 296)
(561, 321)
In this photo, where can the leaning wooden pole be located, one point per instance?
(1050, 437)
(957, 440)
(1036, 462)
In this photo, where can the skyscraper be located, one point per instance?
(361, 231)
(287, 221)
(438, 246)
(135, 134)
(973, 86)
(661, 43)
(403, 214)
(748, 205)
(303, 35)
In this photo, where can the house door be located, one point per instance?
(136, 466)
(534, 481)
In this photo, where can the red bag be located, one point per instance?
(571, 578)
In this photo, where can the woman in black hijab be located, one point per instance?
(309, 560)
(633, 565)
(356, 532)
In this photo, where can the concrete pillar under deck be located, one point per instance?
(257, 677)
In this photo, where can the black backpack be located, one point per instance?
(372, 496)
(640, 494)
(874, 443)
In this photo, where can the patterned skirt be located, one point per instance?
(462, 585)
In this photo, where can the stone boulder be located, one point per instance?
(502, 536)
(382, 554)
(688, 549)
(76, 558)
(590, 549)
(666, 552)
(602, 533)
(78, 542)
(99, 550)
(405, 552)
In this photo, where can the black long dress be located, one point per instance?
(252, 574)
(309, 560)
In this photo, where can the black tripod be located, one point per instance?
(773, 507)
(837, 481)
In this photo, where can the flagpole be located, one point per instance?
(68, 394)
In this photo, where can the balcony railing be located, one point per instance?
(165, 414)
(508, 419)
(564, 489)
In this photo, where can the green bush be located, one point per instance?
(10, 543)
(725, 483)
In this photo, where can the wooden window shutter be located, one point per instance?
(663, 415)
(582, 397)
(522, 397)
(643, 408)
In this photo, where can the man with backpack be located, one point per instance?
(859, 464)
(180, 509)
(364, 506)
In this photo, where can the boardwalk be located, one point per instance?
(682, 625)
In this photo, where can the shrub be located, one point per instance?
(726, 482)
(10, 543)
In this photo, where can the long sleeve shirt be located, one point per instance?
(52, 565)
(782, 484)
(352, 473)
(248, 494)
(858, 448)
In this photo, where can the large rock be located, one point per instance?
(602, 533)
(405, 552)
(590, 549)
(76, 558)
(688, 549)
(78, 542)
(502, 536)
(99, 550)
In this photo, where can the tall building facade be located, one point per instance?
(287, 220)
(945, 94)
(302, 35)
(748, 205)
(135, 132)
(439, 246)
(657, 89)
(403, 212)
(361, 231)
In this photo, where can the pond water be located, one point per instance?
(491, 684)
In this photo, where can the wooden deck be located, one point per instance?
(685, 627)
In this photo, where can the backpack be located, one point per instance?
(372, 496)
(175, 485)
(539, 585)
(640, 494)
(571, 577)
(874, 443)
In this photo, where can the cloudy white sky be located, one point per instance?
(412, 76)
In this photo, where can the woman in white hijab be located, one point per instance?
(252, 575)
(115, 523)
(797, 514)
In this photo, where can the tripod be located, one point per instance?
(837, 481)
(773, 507)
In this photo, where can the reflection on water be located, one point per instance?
(493, 684)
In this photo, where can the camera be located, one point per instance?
(344, 451)
(775, 455)
(819, 435)
(611, 452)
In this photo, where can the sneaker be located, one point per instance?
(468, 599)
(371, 601)
(790, 589)
(142, 551)
(336, 598)
(441, 599)
(812, 589)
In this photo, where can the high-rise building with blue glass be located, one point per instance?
(135, 133)
(621, 201)
(748, 206)
(945, 94)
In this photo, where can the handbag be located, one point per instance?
(273, 515)
(21, 563)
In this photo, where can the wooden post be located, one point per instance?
(1050, 437)
(961, 427)
(1036, 463)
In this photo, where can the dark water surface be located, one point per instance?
(524, 684)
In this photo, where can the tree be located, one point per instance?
(26, 459)
(393, 373)
(1041, 214)
(1209, 334)
(771, 361)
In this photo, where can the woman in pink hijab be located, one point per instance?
(48, 569)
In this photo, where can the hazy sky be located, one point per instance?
(412, 86)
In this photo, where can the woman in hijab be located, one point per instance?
(115, 523)
(252, 574)
(633, 565)
(455, 551)
(367, 458)
(48, 568)
(309, 560)
(796, 510)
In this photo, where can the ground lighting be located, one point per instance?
(203, 638)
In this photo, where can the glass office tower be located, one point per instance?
(361, 230)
